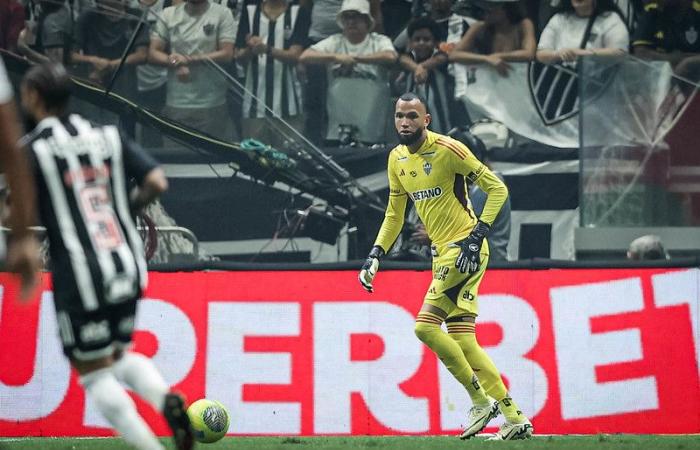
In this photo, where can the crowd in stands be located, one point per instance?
(234, 69)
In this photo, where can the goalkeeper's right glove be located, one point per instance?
(370, 267)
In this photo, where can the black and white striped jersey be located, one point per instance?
(271, 84)
(82, 174)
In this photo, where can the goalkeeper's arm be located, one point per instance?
(389, 231)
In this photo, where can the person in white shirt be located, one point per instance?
(357, 62)
(561, 39)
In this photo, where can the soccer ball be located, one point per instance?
(209, 420)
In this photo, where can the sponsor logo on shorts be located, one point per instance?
(95, 331)
(441, 273)
(468, 296)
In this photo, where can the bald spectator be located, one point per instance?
(647, 247)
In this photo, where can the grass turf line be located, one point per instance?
(595, 442)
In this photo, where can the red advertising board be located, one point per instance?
(310, 353)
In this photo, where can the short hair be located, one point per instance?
(423, 22)
(410, 96)
(52, 82)
(647, 247)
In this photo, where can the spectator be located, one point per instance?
(395, 14)
(195, 33)
(583, 27)
(48, 38)
(11, 23)
(630, 10)
(505, 35)
(669, 31)
(151, 82)
(102, 35)
(427, 72)
(324, 24)
(357, 62)
(271, 37)
(324, 14)
(450, 26)
(648, 247)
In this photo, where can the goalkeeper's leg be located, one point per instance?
(462, 330)
(428, 330)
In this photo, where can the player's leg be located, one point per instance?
(428, 330)
(435, 309)
(88, 344)
(141, 375)
(134, 369)
(461, 326)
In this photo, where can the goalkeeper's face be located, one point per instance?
(411, 121)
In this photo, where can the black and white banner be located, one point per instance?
(624, 98)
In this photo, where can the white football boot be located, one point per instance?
(478, 417)
(512, 431)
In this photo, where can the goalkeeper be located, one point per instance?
(430, 169)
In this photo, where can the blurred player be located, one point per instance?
(82, 176)
(430, 169)
(23, 252)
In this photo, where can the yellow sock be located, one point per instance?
(428, 330)
(464, 334)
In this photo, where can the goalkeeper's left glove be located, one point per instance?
(370, 267)
(469, 259)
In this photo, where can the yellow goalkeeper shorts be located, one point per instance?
(454, 292)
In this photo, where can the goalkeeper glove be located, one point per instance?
(469, 259)
(370, 267)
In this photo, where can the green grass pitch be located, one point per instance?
(597, 442)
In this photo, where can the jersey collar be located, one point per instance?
(427, 144)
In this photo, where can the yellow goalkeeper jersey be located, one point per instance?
(434, 178)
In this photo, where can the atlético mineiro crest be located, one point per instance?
(555, 88)
(691, 35)
(427, 167)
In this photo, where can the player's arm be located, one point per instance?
(23, 251)
(390, 229)
(150, 178)
(469, 259)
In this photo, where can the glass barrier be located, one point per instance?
(638, 131)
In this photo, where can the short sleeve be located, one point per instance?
(328, 45)
(548, 38)
(5, 86)
(143, 38)
(161, 29)
(617, 36)
(227, 33)
(401, 41)
(300, 34)
(137, 163)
